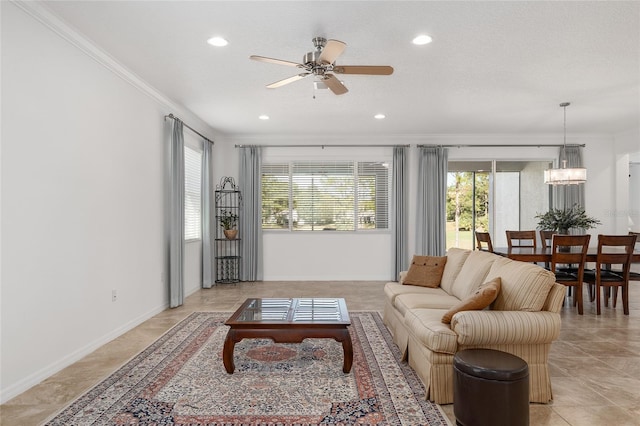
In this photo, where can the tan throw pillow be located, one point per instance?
(425, 271)
(480, 299)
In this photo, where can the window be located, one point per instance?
(326, 196)
(192, 194)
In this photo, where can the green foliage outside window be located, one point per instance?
(460, 200)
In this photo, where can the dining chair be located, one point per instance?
(484, 241)
(613, 263)
(633, 276)
(570, 249)
(545, 238)
(521, 239)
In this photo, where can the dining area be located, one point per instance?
(598, 268)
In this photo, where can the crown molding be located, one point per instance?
(39, 11)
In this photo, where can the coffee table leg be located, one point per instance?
(227, 352)
(347, 348)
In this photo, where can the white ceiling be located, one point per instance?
(493, 67)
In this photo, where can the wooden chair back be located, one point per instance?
(484, 241)
(545, 238)
(613, 263)
(570, 249)
(615, 250)
(634, 276)
(521, 239)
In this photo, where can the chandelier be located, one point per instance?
(565, 175)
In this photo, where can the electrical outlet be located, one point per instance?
(114, 295)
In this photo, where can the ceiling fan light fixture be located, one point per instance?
(565, 175)
(320, 85)
(422, 39)
(218, 41)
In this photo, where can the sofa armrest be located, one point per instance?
(505, 327)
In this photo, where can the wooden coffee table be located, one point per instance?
(289, 321)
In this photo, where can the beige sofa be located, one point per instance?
(523, 320)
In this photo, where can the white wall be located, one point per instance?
(627, 183)
(82, 172)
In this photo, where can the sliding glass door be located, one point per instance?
(468, 194)
(493, 196)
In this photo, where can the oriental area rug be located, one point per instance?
(180, 380)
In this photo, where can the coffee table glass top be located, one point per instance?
(294, 310)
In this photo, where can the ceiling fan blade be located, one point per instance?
(287, 80)
(275, 61)
(331, 51)
(364, 69)
(335, 85)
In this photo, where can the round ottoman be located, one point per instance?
(490, 388)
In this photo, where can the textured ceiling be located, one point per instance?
(493, 67)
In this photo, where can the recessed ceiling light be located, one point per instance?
(217, 41)
(379, 116)
(263, 117)
(422, 39)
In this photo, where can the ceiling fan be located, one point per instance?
(321, 63)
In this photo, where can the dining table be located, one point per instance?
(542, 254)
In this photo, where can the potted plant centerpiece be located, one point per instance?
(562, 220)
(228, 221)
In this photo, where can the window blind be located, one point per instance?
(192, 194)
(323, 196)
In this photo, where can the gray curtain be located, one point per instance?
(399, 223)
(176, 215)
(566, 196)
(207, 252)
(432, 199)
(251, 214)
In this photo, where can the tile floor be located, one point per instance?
(595, 364)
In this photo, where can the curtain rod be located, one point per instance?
(505, 146)
(189, 127)
(321, 146)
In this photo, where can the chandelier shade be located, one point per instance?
(565, 175)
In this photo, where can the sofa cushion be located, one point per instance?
(441, 300)
(480, 299)
(425, 271)
(473, 273)
(425, 326)
(455, 259)
(524, 286)
(393, 290)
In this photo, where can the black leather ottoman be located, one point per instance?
(490, 388)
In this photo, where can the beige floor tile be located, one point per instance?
(625, 365)
(622, 391)
(583, 367)
(592, 415)
(571, 391)
(543, 415)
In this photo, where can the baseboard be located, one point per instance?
(44, 373)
